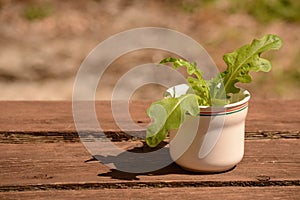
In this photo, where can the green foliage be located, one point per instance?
(268, 10)
(189, 6)
(169, 112)
(246, 59)
(198, 84)
(263, 10)
(34, 12)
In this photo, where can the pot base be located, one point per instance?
(207, 171)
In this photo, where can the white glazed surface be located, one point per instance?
(217, 146)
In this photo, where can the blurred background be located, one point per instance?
(43, 43)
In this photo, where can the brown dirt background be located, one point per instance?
(39, 58)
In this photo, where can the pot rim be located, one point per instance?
(182, 88)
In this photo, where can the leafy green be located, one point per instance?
(169, 112)
(198, 84)
(246, 59)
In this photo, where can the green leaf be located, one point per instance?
(200, 88)
(216, 87)
(198, 84)
(246, 59)
(168, 114)
(177, 62)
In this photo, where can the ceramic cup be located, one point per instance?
(212, 141)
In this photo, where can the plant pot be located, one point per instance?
(212, 141)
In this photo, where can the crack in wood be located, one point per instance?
(53, 137)
(141, 185)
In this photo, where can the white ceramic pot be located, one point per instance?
(212, 141)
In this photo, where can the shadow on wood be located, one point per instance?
(171, 168)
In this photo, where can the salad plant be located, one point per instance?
(169, 113)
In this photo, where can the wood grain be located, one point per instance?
(52, 121)
(290, 192)
(29, 166)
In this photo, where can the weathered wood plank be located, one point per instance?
(266, 162)
(273, 116)
(52, 121)
(56, 116)
(291, 192)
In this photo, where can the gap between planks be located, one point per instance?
(143, 185)
(52, 137)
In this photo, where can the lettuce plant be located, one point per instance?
(169, 113)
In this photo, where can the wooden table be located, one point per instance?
(43, 158)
